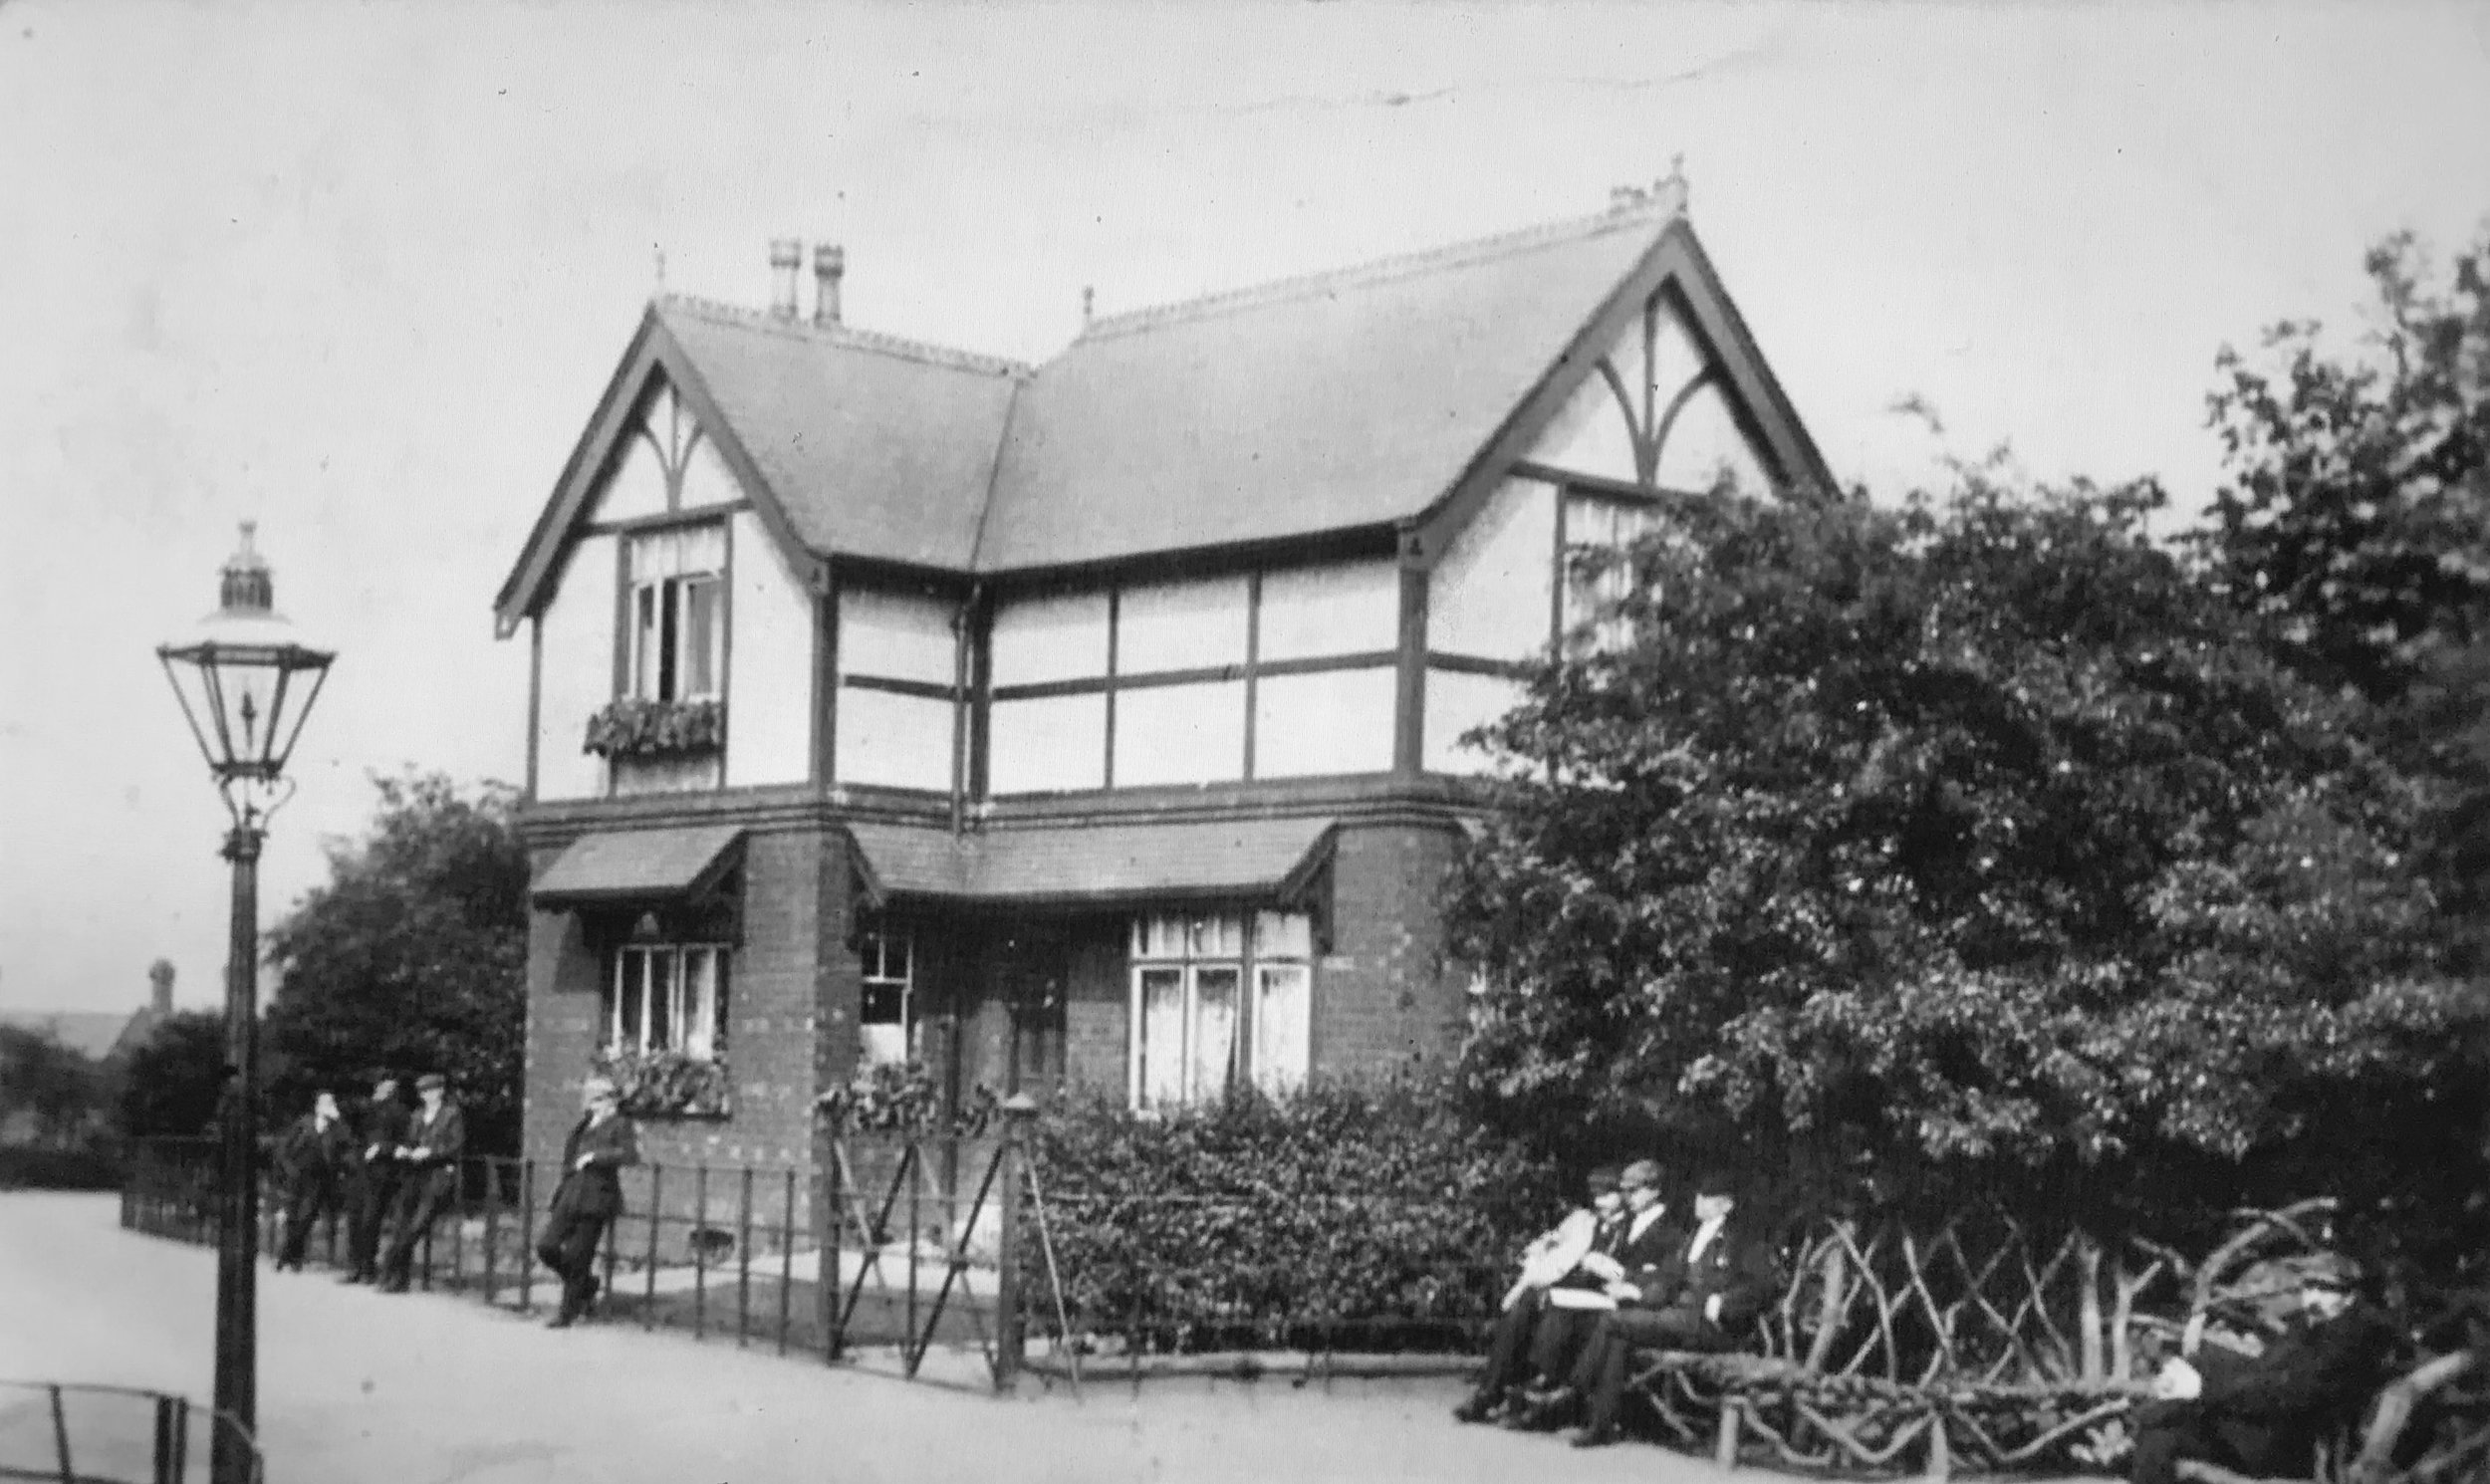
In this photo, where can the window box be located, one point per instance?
(667, 1083)
(631, 727)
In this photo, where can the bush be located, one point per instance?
(1364, 1216)
(94, 1168)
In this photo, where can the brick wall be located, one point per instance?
(1378, 999)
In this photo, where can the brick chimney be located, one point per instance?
(786, 262)
(160, 984)
(830, 265)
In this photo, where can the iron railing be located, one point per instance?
(70, 1432)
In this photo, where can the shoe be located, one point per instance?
(1545, 1416)
(1596, 1437)
(561, 1321)
(355, 1278)
(1481, 1406)
(393, 1285)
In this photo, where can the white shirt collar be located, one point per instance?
(1703, 1235)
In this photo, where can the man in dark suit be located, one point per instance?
(311, 1158)
(372, 1178)
(2264, 1416)
(588, 1198)
(1705, 1297)
(1646, 1245)
(428, 1156)
(1593, 1230)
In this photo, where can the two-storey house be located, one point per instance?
(1099, 720)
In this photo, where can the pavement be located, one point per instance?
(362, 1388)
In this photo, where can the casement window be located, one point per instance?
(1220, 1001)
(674, 613)
(889, 1014)
(668, 996)
(1592, 598)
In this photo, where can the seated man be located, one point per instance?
(2263, 1414)
(1555, 1258)
(1704, 1297)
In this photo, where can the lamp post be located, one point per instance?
(245, 686)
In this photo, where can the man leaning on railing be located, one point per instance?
(588, 1198)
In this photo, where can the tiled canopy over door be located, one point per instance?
(1652, 418)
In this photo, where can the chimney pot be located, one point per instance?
(786, 261)
(830, 265)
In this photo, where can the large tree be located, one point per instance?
(2355, 513)
(56, 1087)
(1977, 831)
(175, 1081)
(412, 957)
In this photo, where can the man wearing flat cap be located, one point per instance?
(436, 1138)
(371, 1177)
(589, 1196)
(2264, 1416)
(1558, 1258)
(1704, 1297)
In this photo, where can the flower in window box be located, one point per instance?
(632, 727)
(667, 1083)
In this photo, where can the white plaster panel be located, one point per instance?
(1052, 742)
(575, 674)
(1704, 443)
(1057, 637)
(898, 741)
(1337, 721)
(1180, 625)
(769, 662)
(634, 485)
(900, 635)
(706, 478)
(1675, 356)
(1590, 434)
(1180, 734)
(1339, 608)
(1456, 702)
(1491, 594)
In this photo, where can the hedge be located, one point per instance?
(1351, 1216)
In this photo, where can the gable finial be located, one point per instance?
(656, 251)
(1670, 190)
(1088, 304)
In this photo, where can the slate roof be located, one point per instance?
(874, 446)
(94, 1034)
(632, 864)
(1092, 862)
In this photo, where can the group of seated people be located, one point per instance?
(1609, 1279)
(1619, 1275)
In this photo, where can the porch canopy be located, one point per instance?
(626, 865)
(1274, 860)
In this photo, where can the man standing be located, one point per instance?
(372, 1175)
(428, 1158)
(2264, 1416)
(310, 1159)
(1555, 1258)
(1704, 1298)
(588, 1198)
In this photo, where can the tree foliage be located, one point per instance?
(175, 1079)
(411, 958)
(2354, 514)
(57, 1087)
(1976, 831)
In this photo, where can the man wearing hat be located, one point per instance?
(1703, 1297)
(311, 1160)
(2264, 1414)
(434, 1139)
(372, 1178)
(1558, 1258)
(589, 1196)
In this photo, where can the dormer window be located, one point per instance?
(675, 614)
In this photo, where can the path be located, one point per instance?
(357, 1385)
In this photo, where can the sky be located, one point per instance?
(360, 273)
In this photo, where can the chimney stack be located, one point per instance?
(830, 265)
(160, 979)
(786, 261)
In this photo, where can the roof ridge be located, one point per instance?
(1627, 212)
(848, 336)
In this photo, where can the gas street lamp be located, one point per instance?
(245, 686)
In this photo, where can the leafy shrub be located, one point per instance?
(667, 1083)
(96, 1167)
(895, 1097)
(1349, 1216)
(637, 728)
